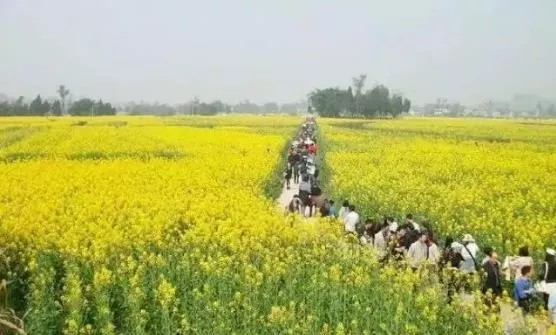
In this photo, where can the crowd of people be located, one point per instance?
(302, 166)
(414, 243)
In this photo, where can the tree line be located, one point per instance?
(198, 107)
(61, 106)
(58, 107)
(357, 102)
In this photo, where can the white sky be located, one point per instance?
(170, 50)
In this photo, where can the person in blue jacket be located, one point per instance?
(523, 291)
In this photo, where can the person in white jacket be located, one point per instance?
(344, 210)
(351, 220)
(381, 241)
(424, 250)
(468, 253)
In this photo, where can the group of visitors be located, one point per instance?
(415, 244)
(302, 167)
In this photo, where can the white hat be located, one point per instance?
(468, 238)
(394, 226)
(551, 251)
(456, 245)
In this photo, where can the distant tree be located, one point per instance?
(377, 102)
(81, 107)
(143, 108)
(406, 105)
(6, 108)
(354, 102)
(20, 107)
(396, 105)
(63, 92)
(330, 102)
(45, 108)
(551, 112)
(56, 108)
(35, 107)
(247, 107)
(39, 106)
(207, 109)
(271, 107)
(359, 84)
(219, 106)
(101, 108)
(490, 108)
(292, 108)
(539, 110)
(350, 102)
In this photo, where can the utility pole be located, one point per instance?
(93, 110)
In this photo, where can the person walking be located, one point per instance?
(449, 266)
(469, 252)
(418, 252)
(547, 275)
(517, 263)
(288, 175)
(368, 233)
(523, 290)
(409, 221)
(295, 204)
(304, 192)
(325, 208)
(492, 282)
(380, 241)
(333, 209)
(296, 159)
(344, 210)
(351, 220)
(398, 249)
(312, 148)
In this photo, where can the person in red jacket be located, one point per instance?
(312, 148)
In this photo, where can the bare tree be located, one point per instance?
(63, 92)
(359, 84)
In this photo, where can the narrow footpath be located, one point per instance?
(302, 160)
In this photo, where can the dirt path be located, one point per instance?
(286, 196)
(284, 200)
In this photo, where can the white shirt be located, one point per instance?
(305, 186)
(434, 253)
(552, 306)
(380, 244)
(366, 239)
(393, 226)
(343, 212)
(468, 265)
(419, 252)
(350, 221)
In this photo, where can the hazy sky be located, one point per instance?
(279, 50)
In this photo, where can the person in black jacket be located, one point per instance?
(492, 282)
(548, 274)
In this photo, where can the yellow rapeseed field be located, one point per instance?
(144, 225)
(494, 179)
